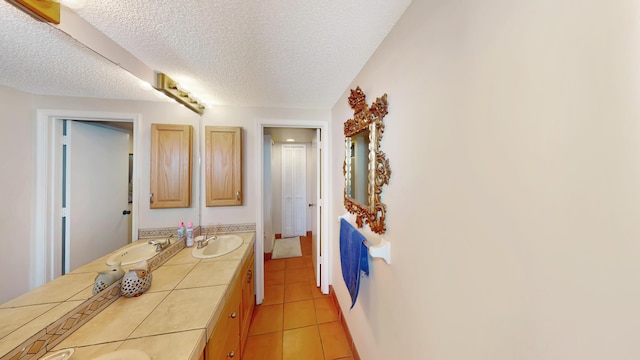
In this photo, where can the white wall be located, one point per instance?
(16, 174)
(514, 143)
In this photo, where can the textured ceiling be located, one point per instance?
(274, 53)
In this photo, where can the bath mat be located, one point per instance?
(286, 248)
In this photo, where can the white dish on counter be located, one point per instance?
(129, 354)
(59, 355)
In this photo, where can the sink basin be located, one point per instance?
(132, 254)
(221, 245)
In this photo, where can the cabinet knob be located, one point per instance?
(233, 315)
(238, 195)
(231, 354)
(151, 198)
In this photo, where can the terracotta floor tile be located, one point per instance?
(274, 265)
(274, 278)
(303, 343)
(306, 247)
(297, 291)
(325, 310)
(295, 275)
(311, 274)
(299, 314)
(263, 347)
(315, 290)
(297, 262)
(266, 319)
(334, 340)
(273, 294)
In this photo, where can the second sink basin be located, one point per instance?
(218, 246)
(132, 254)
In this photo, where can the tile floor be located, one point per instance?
(295, 321)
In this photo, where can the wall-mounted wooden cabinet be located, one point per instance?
(223, 165)
(170, 166)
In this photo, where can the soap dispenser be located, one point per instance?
(180, 230)
(189, 234)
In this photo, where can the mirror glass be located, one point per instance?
(357, 171)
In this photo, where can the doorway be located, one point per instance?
(271, 210)
(95, 190)
(48, 238)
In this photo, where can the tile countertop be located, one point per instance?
(173, 319)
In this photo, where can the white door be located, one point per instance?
(96, 192)
(316, 206)
(294, 188)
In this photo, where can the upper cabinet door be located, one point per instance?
(170, 166)
(223, 165)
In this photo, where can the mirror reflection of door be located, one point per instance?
(294, 188)
(96, 191)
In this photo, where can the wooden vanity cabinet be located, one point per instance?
(170, 183)
(225, 339)
(248, 299)
(230, 333)
(223, 165)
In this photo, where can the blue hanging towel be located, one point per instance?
(354, 257)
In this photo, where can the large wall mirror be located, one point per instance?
(366, 168)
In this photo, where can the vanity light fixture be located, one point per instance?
(43, 10)
(74, 4)
(170, 88)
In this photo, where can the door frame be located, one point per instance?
(46, 237)
(325, 244)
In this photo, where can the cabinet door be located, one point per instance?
(225, 338)
(223, 165)
(170, 166)
(248, 300)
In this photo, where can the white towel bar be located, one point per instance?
(380, 250)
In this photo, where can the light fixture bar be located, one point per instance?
(43, 10)
(170, 88)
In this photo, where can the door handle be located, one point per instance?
(126, 212)
(311, 204)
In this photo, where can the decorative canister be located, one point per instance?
(137, 280)
(105, 278)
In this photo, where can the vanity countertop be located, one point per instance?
(172, 320)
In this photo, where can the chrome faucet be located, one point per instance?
(205, 241)
(161, 244)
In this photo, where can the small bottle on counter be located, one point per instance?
(189, 234)
(180, 230)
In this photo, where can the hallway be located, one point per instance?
(295, 321)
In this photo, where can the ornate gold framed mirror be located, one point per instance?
(366, 168)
